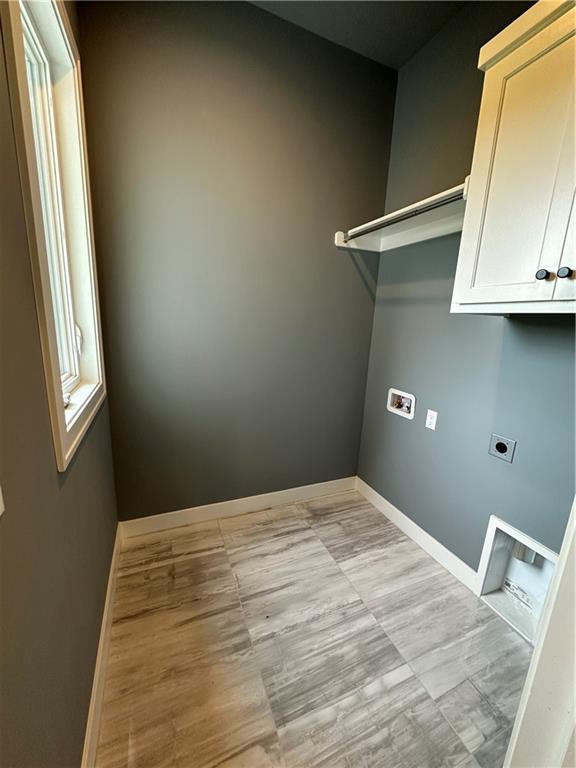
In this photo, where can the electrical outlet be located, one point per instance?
(502, 447)
(431, 417)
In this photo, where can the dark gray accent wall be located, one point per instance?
(482, 374)
(389, 32)
(56, 535)
(437, 104)
(226, 147)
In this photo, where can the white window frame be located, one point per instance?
(46, 98)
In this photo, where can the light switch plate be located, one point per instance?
(431, 417)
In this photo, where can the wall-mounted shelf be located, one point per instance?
(441, 214)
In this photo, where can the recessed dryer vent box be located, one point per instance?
(401, 403)
(515, 573)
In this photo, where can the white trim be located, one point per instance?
(556, 307)
(97, 697)
(68, 425)
(521, 30)
(429, 544)
(234, 507)
(544, 722)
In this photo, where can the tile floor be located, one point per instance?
(307, 635)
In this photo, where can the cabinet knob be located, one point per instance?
(542, 274)
(565, 272)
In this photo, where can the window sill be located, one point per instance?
(75, 420)
(79, 400)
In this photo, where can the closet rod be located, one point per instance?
(450, 196)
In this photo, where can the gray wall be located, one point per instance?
(437, 103)
(226, 147)
(482, 374)
(57, 532)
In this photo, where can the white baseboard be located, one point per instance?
(468, 576)
(97, 696)
(234, 507)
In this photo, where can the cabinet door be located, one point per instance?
(560, 240)
(566, 287)
(519, 161)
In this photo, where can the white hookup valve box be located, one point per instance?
(401, 403)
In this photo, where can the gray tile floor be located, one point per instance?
(307, 635)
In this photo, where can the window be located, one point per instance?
(49, 120)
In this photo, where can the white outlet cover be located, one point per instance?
(431, 417)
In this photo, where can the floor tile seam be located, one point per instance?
(247, 546)
(373, 728)
(435, 703)
(169, 529)
(467, 678)
(472, 633)
(287, 562)
(357, 688)
(361, 599)
(252, 650)
(400, 588)
(494, 708)
(277, 581)
(475, 628)
(439, 710)
(446, 720)
(156, 613)
(368, 729)
(354, 689)
(406, 538)
(391, 592)
(416, 583)
(283, 556)
(333, 516)
(131, 570)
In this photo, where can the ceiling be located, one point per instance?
(389, 32)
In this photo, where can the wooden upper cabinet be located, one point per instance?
(518, 229)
